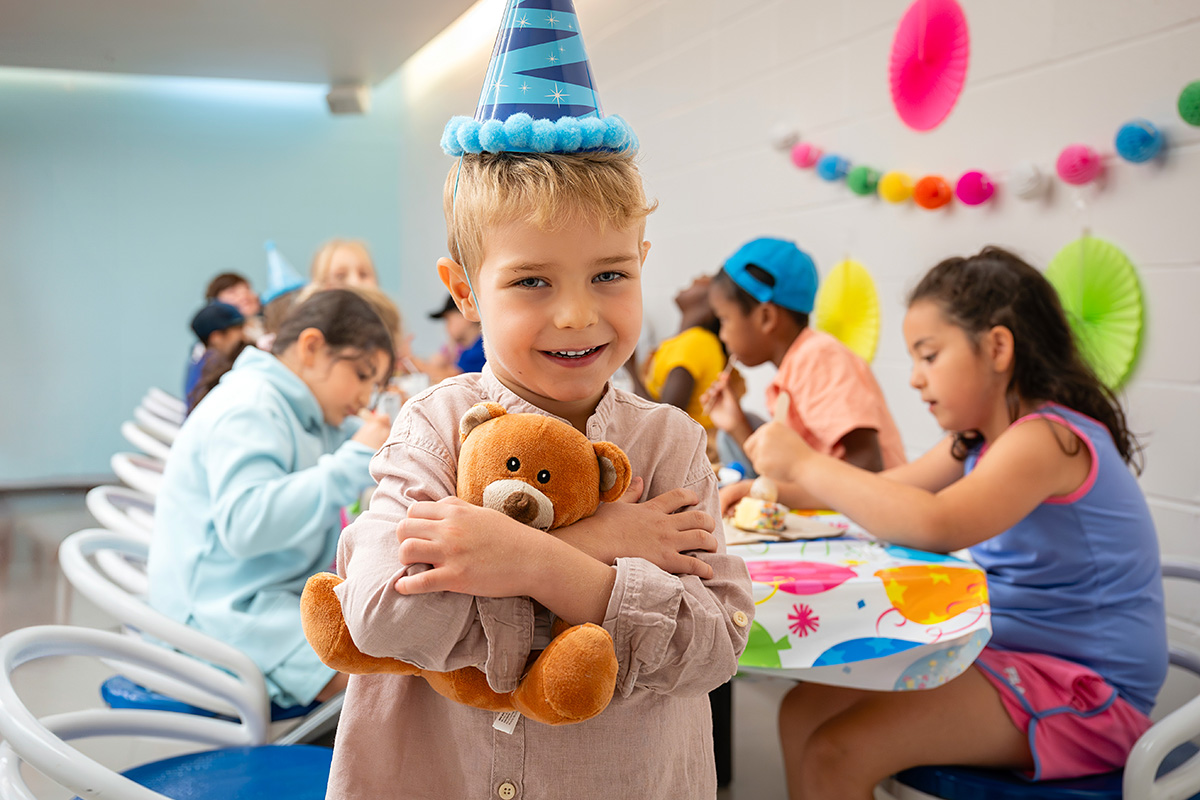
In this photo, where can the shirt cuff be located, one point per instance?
(641, 618)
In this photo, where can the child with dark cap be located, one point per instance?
(220, 327)
(762, 297)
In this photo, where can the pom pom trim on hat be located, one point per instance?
(520, 133)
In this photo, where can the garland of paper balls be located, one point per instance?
(1137, 142)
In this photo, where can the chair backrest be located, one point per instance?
(123, 510)
(155, 425)
(43, 742)
(81, 556)
(141, 472)
(172, 409)
(1177, 723)
(144, 441)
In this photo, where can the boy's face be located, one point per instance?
(561, 309)
(741, 332)
(225, 341)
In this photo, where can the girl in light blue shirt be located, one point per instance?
(249, 506)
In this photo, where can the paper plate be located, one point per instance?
(847, 307)
(929, 62)
(1098, 287)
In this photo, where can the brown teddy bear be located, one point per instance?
(544, 473)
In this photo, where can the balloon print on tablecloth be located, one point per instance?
(863, 650)
(799, 577)
(761, 650)
(934, 669)
(939, 592)
(929, 62)
(1099, 289)
(900, 551)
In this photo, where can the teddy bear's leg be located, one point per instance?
(572, 680)
(468, 686)
(325, 629)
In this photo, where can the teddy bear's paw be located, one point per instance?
(468, 686)
(326, 631)
(572, 680)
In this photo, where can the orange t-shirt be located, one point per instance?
(833, 392)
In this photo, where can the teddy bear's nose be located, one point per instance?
(520, 506)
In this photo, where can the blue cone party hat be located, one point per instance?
(538, 95)
(281, 276)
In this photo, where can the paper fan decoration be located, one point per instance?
(929, 62)
(847, 308)
(1099, 290)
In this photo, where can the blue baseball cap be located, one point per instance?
(215, 316)
(793, 269)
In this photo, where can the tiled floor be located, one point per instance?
(33, 592)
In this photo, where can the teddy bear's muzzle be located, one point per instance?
(517, 499)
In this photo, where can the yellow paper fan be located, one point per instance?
(847, 307)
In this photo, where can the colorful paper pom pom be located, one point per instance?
(895, 187)
(1026, 181)
(974, 188)
(1189, 103)
(862, 180)
(1138, 140)
(932, 192)
(832, 167)
(804, 155)
(1078, 164)
(784, 136)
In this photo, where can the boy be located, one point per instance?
(546, 251)
(220, 327)
(762, 297)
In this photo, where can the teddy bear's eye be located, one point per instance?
(513, 464)
(544, 476)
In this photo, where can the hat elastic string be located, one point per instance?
(457, 246)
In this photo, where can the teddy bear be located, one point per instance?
(542, 472)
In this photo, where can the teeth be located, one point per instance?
(573, 353)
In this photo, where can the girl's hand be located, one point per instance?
(777, 451)
(731, 494)
(471, 550)
(374, 431)
(661, 530)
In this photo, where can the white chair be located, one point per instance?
(1164, 763)
(161, 429)
(172, 410)
(145, 441)
(141, 472)
(84, 556)
(123, 510)
(233, 763)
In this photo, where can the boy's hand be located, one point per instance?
(472, 550)
(720, 402)
(660, 530)
(731, 494)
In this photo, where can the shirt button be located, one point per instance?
(740, 619)
(507, 791)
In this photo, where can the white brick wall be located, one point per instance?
(703, 81)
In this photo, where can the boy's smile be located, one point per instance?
(561, 309)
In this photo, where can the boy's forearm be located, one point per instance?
(570, 582)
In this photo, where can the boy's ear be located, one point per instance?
(454, 276)
(766, 315)
(999, 347)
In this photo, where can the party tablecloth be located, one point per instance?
(860, 613)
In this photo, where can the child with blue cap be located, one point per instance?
(545, 212)
(220, 328)
(763, 296)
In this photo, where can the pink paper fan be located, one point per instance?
(929, 62)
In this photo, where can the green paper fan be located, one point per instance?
(1098, 287)
(847, 307)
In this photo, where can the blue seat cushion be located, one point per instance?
(965, 783)
(295, 772)
(120, 692)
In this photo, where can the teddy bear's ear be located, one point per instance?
(615, 471)
(477, 415)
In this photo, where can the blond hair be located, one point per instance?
(324, 258)
(384, 307)
(544, 189)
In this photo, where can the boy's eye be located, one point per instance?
(531, 283)
(609, 277)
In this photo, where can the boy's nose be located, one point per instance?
(915, 378)
(576, 312)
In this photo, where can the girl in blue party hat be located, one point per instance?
(546, 213)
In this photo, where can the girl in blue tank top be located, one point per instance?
(1034, 477)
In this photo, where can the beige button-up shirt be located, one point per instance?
(676, 638)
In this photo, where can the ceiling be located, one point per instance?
(304, 41)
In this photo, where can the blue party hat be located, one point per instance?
(281, 276)
(538, 95)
